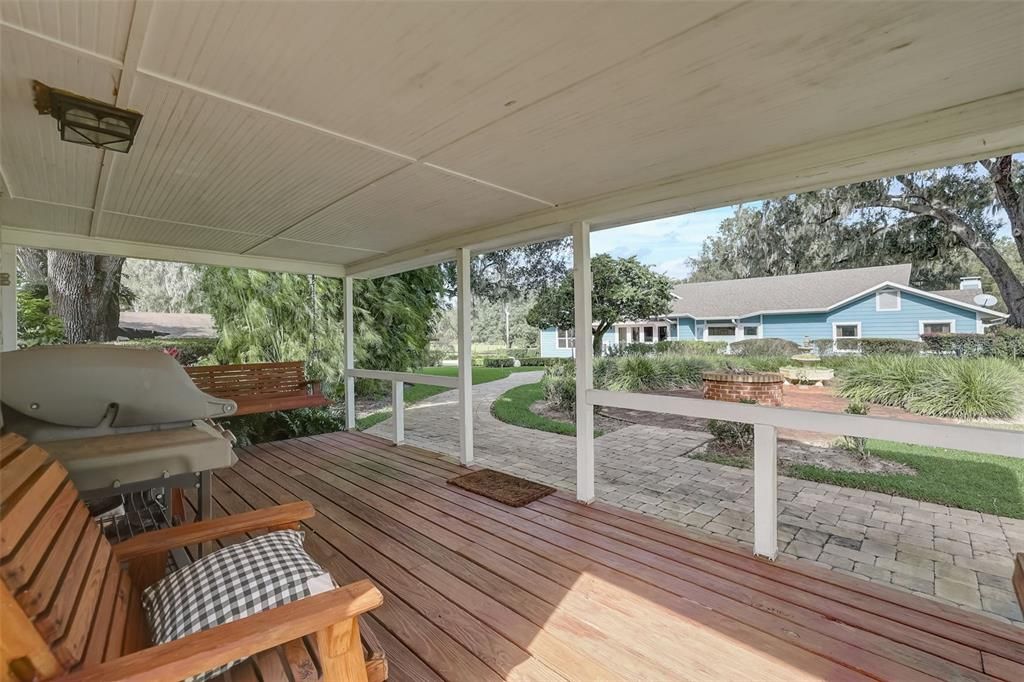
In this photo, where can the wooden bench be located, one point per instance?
(70, 602)
(262, 387)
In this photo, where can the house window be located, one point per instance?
(623, 336)
(750, 330)
(938, 327)
(887, 300)
(662, 333)
(721, 331)
(648, 334)
(850, 330)
(635, 334)
(565, 338)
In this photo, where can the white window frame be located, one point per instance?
(709, 337)
(562, 341)
(878, 299)
(922, 323)
(835, 338)
(743, 333)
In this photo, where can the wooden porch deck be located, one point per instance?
(475, 590)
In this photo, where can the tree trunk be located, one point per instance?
(599, 331)
(83, 293)
(1001, 171)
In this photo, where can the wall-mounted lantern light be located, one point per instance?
(87, 121)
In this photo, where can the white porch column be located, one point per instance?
(398, 411)
(465, 351)
(350, 360)
(9, 296)
(765, 491)
(582, 285)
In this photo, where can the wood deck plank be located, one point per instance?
(557, 590)
(808, 637)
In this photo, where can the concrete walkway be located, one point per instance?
(953, 555)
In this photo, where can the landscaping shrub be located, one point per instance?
(965, 388)
(533, 361)
(1004, 342)
(890, 346)
(970, 389)
(637, 374)
(763, 347)
(185, 351)
(856, 443)
(737, 435)
(499, 362)
(560, 386)
(624, 350)
(691, 347)
(36, 326)
(261, 428)
(882, 379)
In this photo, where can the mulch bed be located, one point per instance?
(510, 490)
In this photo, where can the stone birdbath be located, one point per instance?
(805, 373)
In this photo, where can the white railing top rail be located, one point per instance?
(1004, 442)
(408, 377)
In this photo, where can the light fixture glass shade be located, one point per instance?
(85, 121)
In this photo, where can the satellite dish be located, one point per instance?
(985, 300)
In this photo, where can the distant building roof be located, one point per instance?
(962, 295)
(178, 325)
(809, 291)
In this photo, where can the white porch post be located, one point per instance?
(9, 296)
(465, 351)
(583, 283)
(350, 357)
(765, 491)
(398, 410)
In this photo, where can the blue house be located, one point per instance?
(864, 303)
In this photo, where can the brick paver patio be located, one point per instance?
(949, 554)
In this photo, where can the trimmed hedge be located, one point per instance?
(1004, 342)
(767, 346)
(692, 347)
(542, 362)
(499, 362)
(186, 351)
(881, 346)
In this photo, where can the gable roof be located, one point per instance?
(808, 291)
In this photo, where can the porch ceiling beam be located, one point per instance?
(39, 239)
(132, 49)
(978, 129)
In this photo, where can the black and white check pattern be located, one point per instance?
(232, 583)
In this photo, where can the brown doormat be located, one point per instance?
(510, 490)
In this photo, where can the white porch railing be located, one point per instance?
(398, 381)
(767, 421)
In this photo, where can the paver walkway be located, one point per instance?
(953, 555)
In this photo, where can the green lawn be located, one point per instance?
(513, 407)
(417, 392)
(985, 483)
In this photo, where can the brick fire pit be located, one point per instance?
(763, 387)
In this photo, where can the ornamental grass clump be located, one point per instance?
(970, 389)
(958, 388)
(883, 379)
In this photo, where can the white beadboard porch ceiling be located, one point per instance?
(369, 135)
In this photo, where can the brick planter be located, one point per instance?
(765, 388)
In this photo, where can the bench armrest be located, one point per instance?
(218, 646)
(284, 515)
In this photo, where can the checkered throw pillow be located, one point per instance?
(232, 583)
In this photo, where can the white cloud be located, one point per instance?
(665, 243)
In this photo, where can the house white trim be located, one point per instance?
(563, 339)
(922, 323)
(879, 295)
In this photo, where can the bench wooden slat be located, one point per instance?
(22, 564)
(260, 387)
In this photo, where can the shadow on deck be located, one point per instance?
(474, 590)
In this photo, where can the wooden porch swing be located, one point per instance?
(260, 387)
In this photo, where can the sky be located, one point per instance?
(665, 243)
